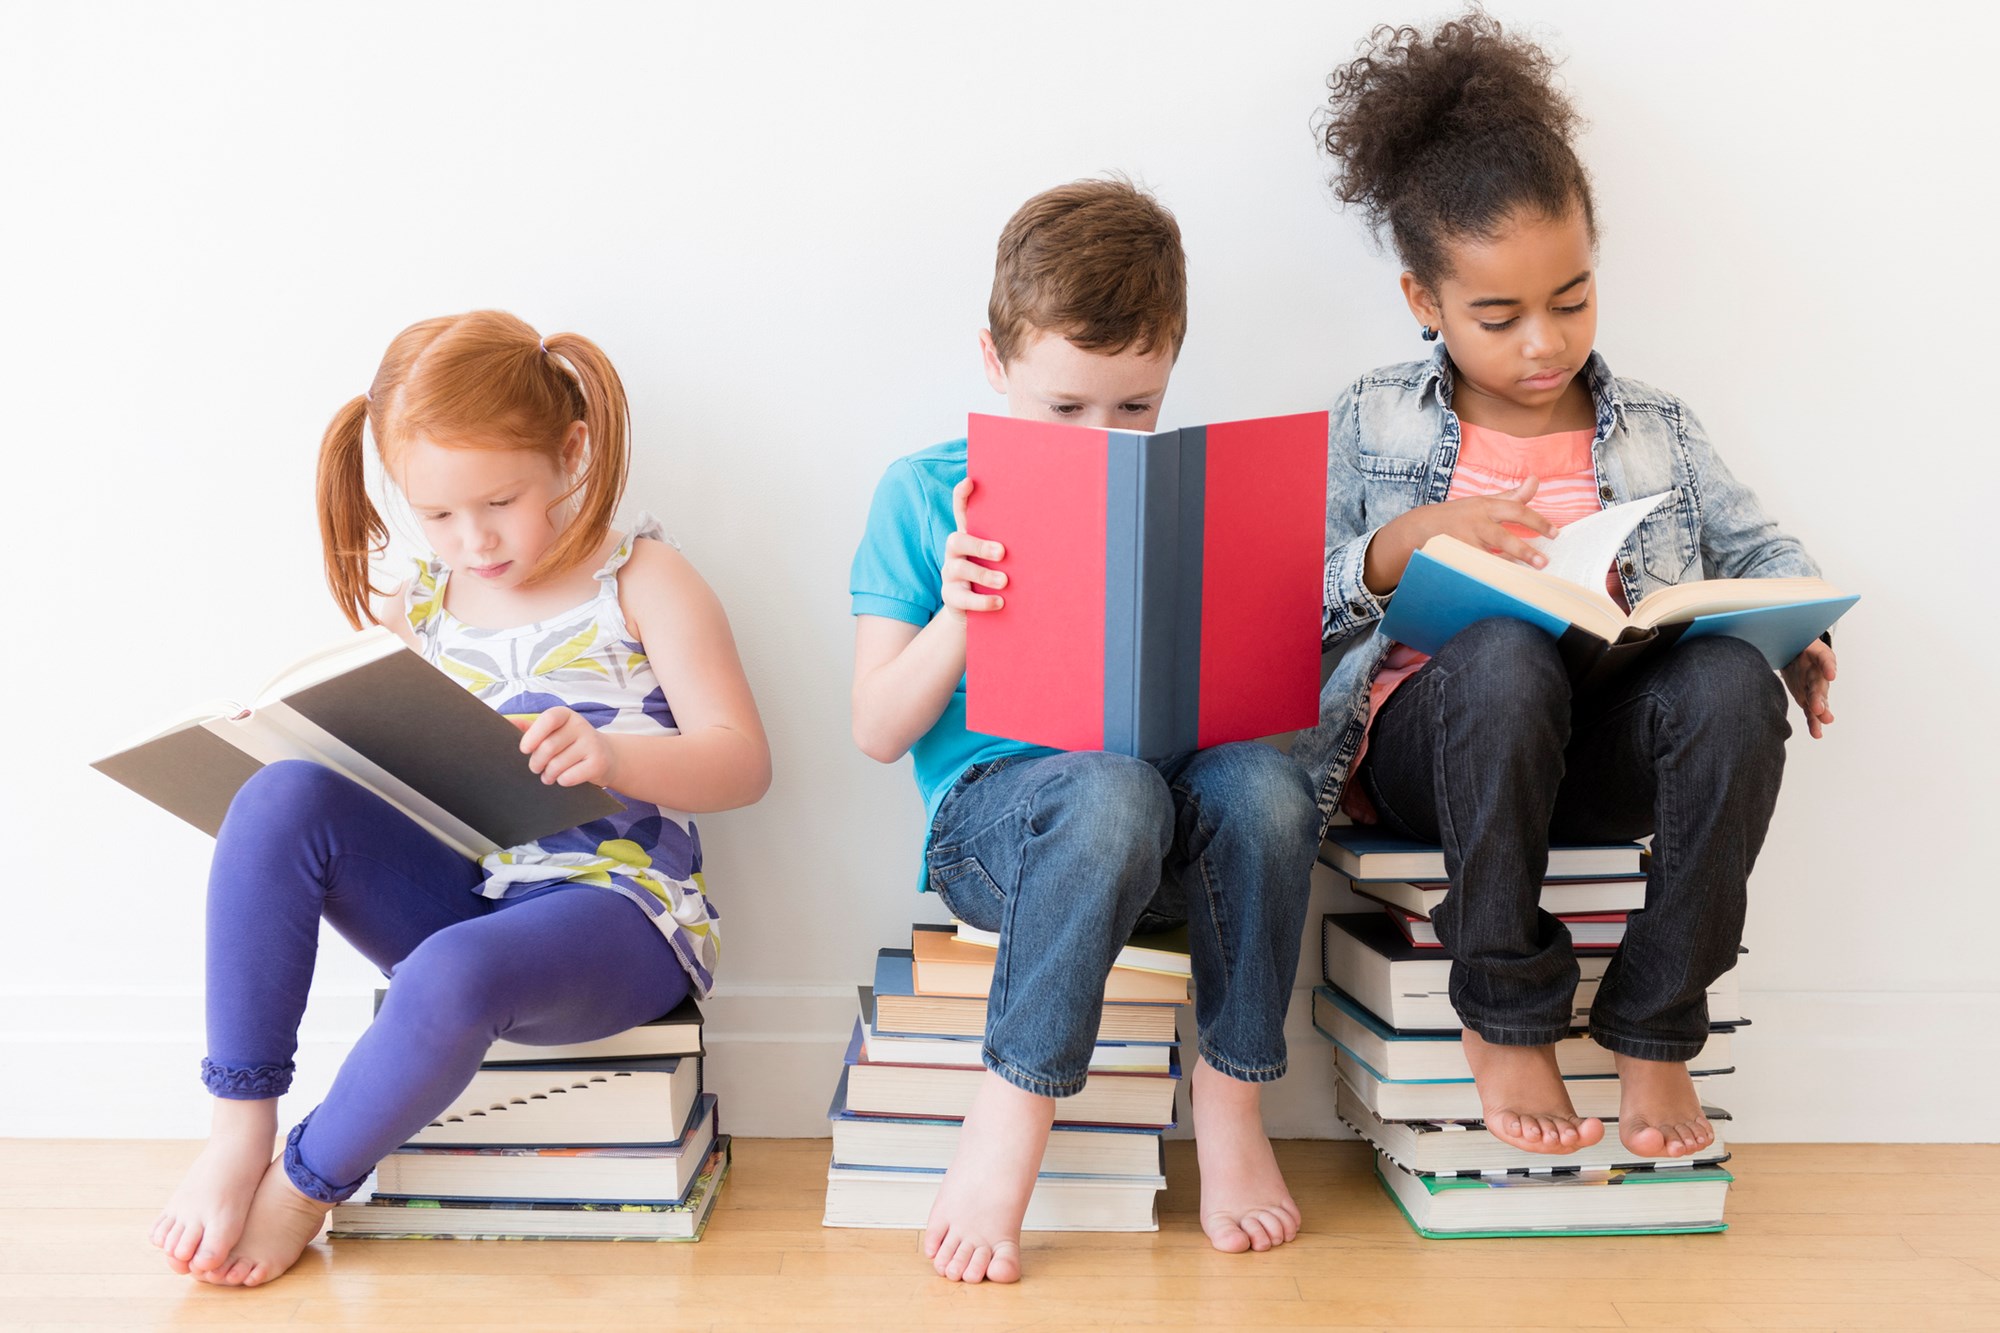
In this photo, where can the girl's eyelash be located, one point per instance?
(1576, 309)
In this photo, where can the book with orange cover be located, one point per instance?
(947, 965)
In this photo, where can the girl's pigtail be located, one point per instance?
(607, 457)
(351, 532)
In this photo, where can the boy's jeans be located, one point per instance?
(1064, 855)
(1485, 751)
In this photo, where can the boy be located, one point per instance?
(1065, 853)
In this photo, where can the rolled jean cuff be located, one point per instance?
(1499, 1036)
(1648, 1048)
(1026, 1082)
(305, 1179)
(1243, 1073)
(252, 1084)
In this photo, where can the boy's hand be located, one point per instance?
(963, 578)
(1498, 523)
(1809, 678)
(566, 750)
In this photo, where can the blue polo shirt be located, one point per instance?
(897, 574)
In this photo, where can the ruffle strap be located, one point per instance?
(643, 525)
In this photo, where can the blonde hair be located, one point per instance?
(483, 380)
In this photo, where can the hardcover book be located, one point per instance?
(1417, 1057)
(929, 1142)
(901, 1010)
(1577, 1203)
(1450, 584)
(1458, 1099)
(631, 1103)
(1163, 590)
(1455, 1147)
(1408, 987)
(948, 965)
(654, 1175)
(1370, 852)
(373, 710)
(369, 1217)
(1139, 1100)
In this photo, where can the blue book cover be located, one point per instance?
(1449, 585)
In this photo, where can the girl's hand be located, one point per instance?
(566, 750)
(960, 573)
(1809, 678)
(1490, 522)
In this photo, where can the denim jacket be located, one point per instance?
(1393, 444)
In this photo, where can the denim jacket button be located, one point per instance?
(1604, 493)
(1625, 568)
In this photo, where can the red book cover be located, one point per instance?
(1163, 590)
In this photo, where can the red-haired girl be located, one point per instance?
(605, 644)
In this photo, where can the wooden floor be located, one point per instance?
(1857, 1237)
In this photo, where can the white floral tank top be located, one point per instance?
(585, 659)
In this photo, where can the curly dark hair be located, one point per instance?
(1449, 135)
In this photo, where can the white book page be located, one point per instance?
(1582, 552)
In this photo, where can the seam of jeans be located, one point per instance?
(1666, 802)
(1677, 1052)
(1208, 890)
(1025, 1081)
(1240, 1072)
(1538, 1036)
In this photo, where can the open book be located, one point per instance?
(1450, 585)
(1163, 588)
(375, 711)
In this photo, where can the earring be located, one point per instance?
(1430, 334)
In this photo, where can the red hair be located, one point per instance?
(479, 381)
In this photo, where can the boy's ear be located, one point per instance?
(1423, 302)
(996, 369)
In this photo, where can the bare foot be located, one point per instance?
(1522, 1097)
(974, 1232)
(1244, 1202)
(204, 1218)
(281, 1224)
(1659, 1112)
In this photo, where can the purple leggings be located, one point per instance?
(301, 843)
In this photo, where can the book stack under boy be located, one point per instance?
(1403, 1083)
(913, 1066)
(602, 1140)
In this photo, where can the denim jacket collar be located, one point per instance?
(1609, 408)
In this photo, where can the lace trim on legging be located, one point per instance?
(305, 1178)
(254, 1083)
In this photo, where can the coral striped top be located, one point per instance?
(1489, 462)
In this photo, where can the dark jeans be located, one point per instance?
(1065, 854)
(1487, 751)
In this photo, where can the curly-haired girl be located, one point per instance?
(1457, 143)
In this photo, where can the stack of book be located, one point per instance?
(914, 1064)
(603, 1140)
(1404, 1085)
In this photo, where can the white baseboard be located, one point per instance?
(1821, 1066)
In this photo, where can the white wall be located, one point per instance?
(779, 220)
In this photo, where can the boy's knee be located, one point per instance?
(1109, 811)
(1260, 791)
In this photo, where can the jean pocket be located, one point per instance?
(968, 892)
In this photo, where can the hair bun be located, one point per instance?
(1450, 131)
